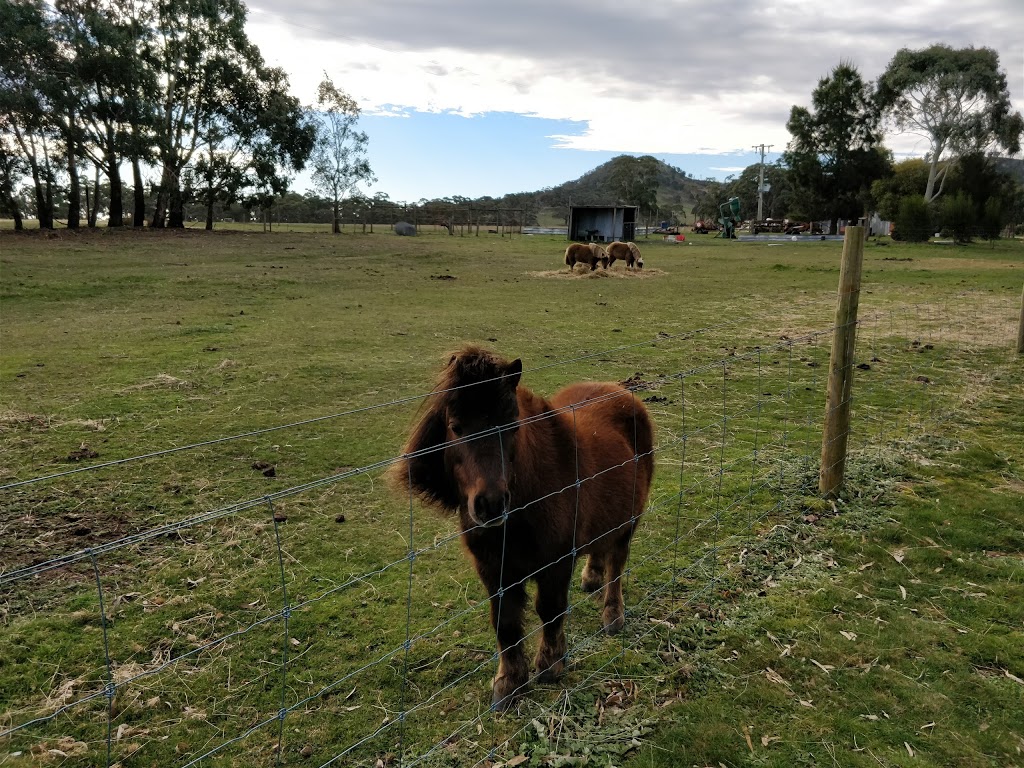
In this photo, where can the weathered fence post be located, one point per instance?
(1020, 326)
(840, 373)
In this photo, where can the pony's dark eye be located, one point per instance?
(455, 427)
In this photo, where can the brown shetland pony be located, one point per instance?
(585, 253)
(627, 252)
(507, 461)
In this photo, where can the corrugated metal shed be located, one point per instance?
(602, 223)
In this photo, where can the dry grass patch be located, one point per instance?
(564, 274)
(160, 381)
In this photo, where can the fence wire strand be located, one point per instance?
(740, 462)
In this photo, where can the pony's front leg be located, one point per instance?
(552, 605)
(507, 619)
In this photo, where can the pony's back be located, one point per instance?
(614, 440)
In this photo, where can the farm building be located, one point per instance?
(602, 223)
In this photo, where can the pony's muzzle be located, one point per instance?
(489, 508)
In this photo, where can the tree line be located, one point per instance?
(836, 167)
(90, 89)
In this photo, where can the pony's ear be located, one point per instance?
(514, 372)
(423, 469)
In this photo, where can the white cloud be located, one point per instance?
(667, 79)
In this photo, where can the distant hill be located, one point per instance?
(677, 192)
(1012, 166)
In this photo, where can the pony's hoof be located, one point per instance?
(504, 694)
(613, 623)
(551, 672)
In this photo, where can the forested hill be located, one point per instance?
(1012, 166)
(610, 183)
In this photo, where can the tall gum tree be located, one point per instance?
(201, 51)
(956, 99)
(835, 152)
(27, 52)
(339, 160)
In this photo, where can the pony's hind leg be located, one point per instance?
(552, 607)
(613, 617)
(593, 574)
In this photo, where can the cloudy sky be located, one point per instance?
(471, 97)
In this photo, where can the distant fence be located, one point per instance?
(331, 622)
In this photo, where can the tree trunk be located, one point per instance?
(116, 217)
(12, 201)
(176, 207)
(45, 221)
(74, 190)
(139, 193)
(335, 229)
(935, 175)
(162, 195)
(209, 211)
(88, 206)
(95, 212)
(48, 190)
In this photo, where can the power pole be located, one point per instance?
(760, 180)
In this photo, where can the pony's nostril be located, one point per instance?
(482, 507)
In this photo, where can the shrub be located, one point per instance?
(913, 220)
(992, 219)
(959, 217)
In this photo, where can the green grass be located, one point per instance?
(122, 343)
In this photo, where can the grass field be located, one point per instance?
(765, 627)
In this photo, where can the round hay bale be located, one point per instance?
(405, 229)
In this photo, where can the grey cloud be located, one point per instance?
(676, 49)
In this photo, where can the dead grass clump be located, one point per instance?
(11, 419)
(160, 381)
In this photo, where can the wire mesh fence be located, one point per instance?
(236, 603)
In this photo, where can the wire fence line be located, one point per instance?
(250, 642)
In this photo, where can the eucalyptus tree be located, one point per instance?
(27, 51)
(105, 40)
(635, 181)
(12, 168)
(207, 70)
(835, 152)
(957, 99)
(339, 159)
(251, 141)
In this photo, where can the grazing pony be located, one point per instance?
(585, 253)
(627, 252)
(535, 483)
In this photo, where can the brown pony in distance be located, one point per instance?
(627, 252)
(507, 462)
(585, 253)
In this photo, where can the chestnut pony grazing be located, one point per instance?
(506, 461)
(585, 253)
(627, 252)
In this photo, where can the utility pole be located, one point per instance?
(760, 181)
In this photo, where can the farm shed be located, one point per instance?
(602, 223)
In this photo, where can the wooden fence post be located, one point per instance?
(840, 373)
(1020, 326)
